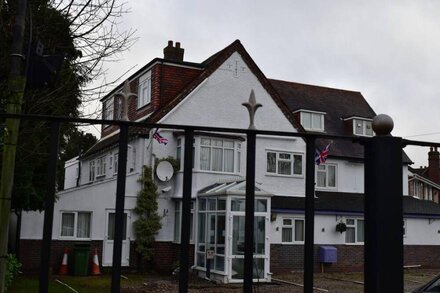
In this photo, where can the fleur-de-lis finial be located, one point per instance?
(252, 107)
(125, 95)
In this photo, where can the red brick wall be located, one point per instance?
(286, 258)
(30, 253)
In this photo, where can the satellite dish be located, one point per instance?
(164, 171)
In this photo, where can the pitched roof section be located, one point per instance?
(213, 63)
(339, 202)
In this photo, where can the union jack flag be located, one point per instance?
(321, 157)
(160, 139)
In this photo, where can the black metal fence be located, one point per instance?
(383, 202)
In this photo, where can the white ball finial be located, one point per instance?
(383, 124)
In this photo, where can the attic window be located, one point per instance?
(362, 127)
(107, 111)
(313, 121)
(144, 89)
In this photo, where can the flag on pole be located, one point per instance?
(159, 138)
(321, 157)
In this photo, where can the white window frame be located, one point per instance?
(101, 166)
(278, 160)
(292, 226)
(365, 123)
(355, 227)
(319, 128)
(317, 170)
(75, 225)
(144, 89)
(108, 109)
(92, 174)
(178, 214)
(115, 163)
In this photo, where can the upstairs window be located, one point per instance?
(216, 155)
(144, 89)
(362, 127)
(107, 109)
(326, 176)
(92, 171)
(313, 121)
(101, 166)
(283, 163)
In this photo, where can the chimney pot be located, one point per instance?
(173, 53)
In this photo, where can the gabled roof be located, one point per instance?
(351, 203)
(231, 187)
(422, 177)
(213, 63)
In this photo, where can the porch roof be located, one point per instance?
(236, 186)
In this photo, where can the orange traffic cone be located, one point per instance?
(64, 269)
(95, 265)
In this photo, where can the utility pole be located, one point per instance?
(16, 86)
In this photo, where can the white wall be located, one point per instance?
(70, 173)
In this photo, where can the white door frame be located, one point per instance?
(107, 245)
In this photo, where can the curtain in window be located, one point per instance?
(229, 160)
(205, 156)
(83, 226)
(67, 224)
(299, 230)
(350, 235)
(321, 180)
(217, 159)
(286, 235)
(284, 167)
(271, 161)
(360, 231)
(331, 176)
(297, 164)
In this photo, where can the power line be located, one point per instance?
(424, 134)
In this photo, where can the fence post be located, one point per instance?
(49, 206)
(119, 209)
(309, 215)
(383, 209)
(186, 211)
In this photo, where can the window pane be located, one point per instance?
(228, 144)
(67, 223)
(211, 228)
(317, 120)
(217, 142)
(284, 168)
(205, 141)
(205, 158)
(229, 160)
(331, 176)
(259, 234)
(83, 228)
(349, 235)
(286, 235)
(217, 159)
(284, 156)
(111, 226)
(221, 228)
(368, 128)
(306, 120)
(299, 230)
(212, 202)
(219, 263)
(221, 205)
(202, 204)
(297, 164)
(350, 221)
(321, 180)
(238, 235)
(177, 222)
(287, 222)
(260, 205)
(271, 161)
(201, 230)
(238, 205)
(359, 129)
(360, 231)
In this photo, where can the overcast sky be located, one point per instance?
(390, 52)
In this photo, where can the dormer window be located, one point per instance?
(362, 127)
(144, 89)
(313, 121)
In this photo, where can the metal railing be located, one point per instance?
(383, 200)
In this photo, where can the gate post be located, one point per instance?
(383, 254)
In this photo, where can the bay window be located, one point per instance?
(284, 163)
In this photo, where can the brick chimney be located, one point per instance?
(434, 165)
(173, 53)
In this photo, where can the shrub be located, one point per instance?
(12, 268)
